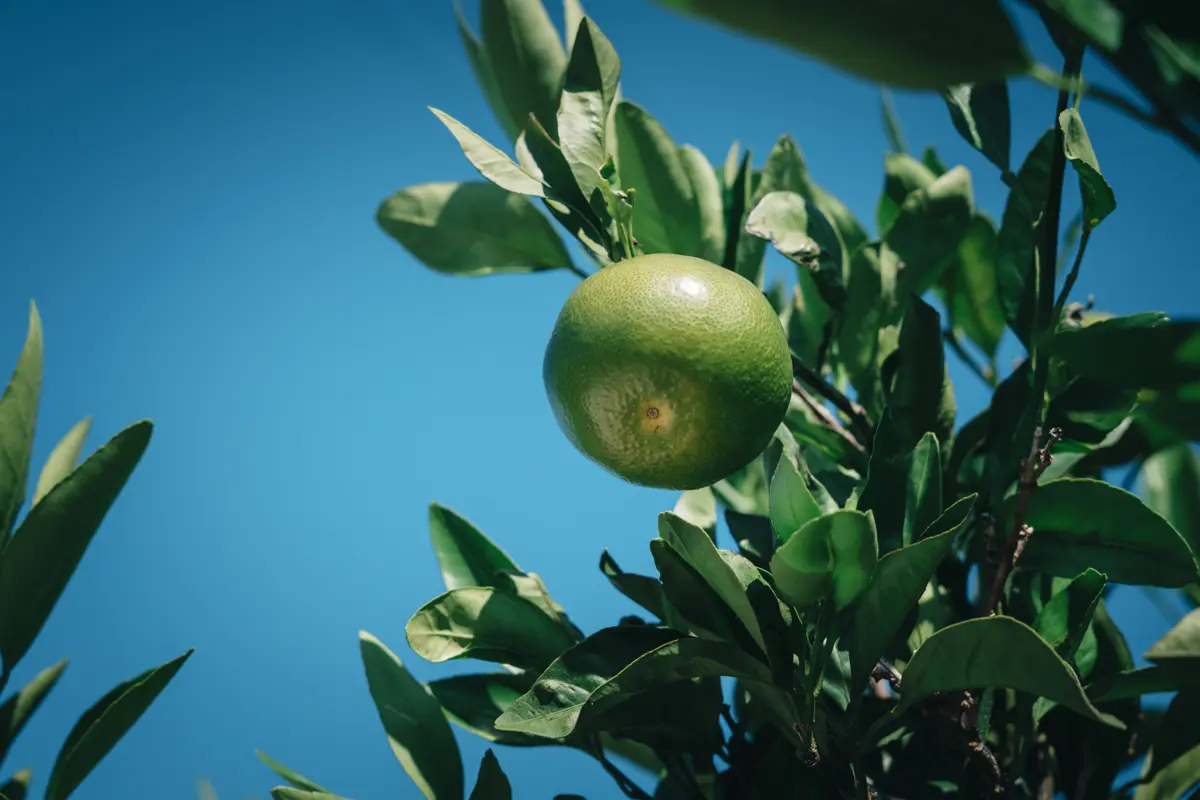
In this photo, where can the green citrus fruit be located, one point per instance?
(668, 370)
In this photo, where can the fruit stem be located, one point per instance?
(860, 425)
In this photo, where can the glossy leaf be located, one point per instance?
(970, 284)
(1180, 645)
(491, 783)
(832, 555)
(920, 397)
(900, 580)
(63, 459)
(467, 557)
(1098, 199)
(700, 609)
(416, 729)
(666, 217)
(575, 691)
(710, 203)
(491, 162)
(927, 231)
(1064, 620)
(471, 229)
(51, 540)
(923, 499)
(473, 702)
(19, 707)
(1170, 485)
(792, 504)
(486, 624)
(995, 652)
(981, 116)
(526, 56)
(1080, 523)
(589, 91)
(290, 775)
(922, 45)
(1016, 242)
(647, 592)
(1140, 351)
(18, 420)
(103, 725)
(485, 76)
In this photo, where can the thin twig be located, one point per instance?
(1031, 469)
(985, 374)
(624, 783)
(826, 416)
(1072, 275)
(860, 425)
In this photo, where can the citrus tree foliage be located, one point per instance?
(38, 555)
(907, 603)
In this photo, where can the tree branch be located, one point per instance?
(860, 425)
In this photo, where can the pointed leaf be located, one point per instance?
(18, 420)
(573, 14)
(997, 652)
(416, 729)
(902, 175)
(1181, 644)
(51, 540)
(899, 582)
(891, 123)
(1141, 351)
(700, 609)
(970, 284)
(709, 203)
(467, 557)
(527, 58)
(491, 783)
(647, 592)
(836, 554)
(753, 533)
(1170, 485)
(291, 776)
(473, 702)
(588, 94)
(491, 162)
(1080, 523)
(802, 233)
(920, 397)
(103, 725)
(980, 114)
(1173, 767)
(885, 485)
(18, 708)
(63, 459)
(471, 229)
(484, 75)
(486, 624)
(923, 500)
(1098, 199)
(927, 231)
(1064, 620)
(1016, 242)
(792, 504)
(1166, 677)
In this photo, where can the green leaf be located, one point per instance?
(899, 582)
(885, 486)
(613, 664)
(1010, 427)
(980, 114)
(792, 504)
(1166, 677)
(699, 551)
(471, 229)
(891, 123)
(292, 793)
(802, 233)
(1173, 766)
(753, 533)
(527, 58)
(923, 500)
(1080, 523)
(590, 88)
(902, 175)
(1065, 619)
(683, 715)
(473, 702)
(491, 783)
(485, 76)
(994, 652)
(666, 217)
(1170, 485)
(710, 203)
(467, 557)
(63, 459)
(51, 540)
(486, 624)
(290, 775)
(647, 592)
(970, 285)
(17, 787)
(1016, 242)
(737, 205)
(1181, 644)
(699, 507)
(1098, 199)
(1137, 352)
(103, 725)
(834, 554)
(920, 397)
(870, 306)
(18, 708)
(927, 231)
(918, 45)
(491, 162)
(416, 729)
(18, 420)
(700, 609)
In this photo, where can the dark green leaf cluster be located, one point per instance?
(908, 604)
(38, 555)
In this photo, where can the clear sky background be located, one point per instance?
(187, 189)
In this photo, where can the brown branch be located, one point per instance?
(826, 416)
(860, 424)
(1032, 468)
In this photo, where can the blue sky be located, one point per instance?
(188, 194)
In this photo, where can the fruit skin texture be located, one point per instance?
(668, 370)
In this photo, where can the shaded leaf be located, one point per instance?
(473, 702)
(491, 782)
(492, 162)
(885, 486)
(481, 67)
(709, 203)
(803, 234)
(290, 775)
(486, 624)
(47, 547)
(923, 499)
(18, 421)
(1065, 619)
(63, 459)
(902, 175)
(970, 284)
(1016, 242)
(834, 554)
(17, 787)
(416, 729)
(1173, 766)
(1166, 677)
(647, 592)
(753, 533)
(1170, 485)
(526, 56)
(589, 90)
(471, 229)
(998, 652)
(792, 504)
(1141, 351)
(18, 708)
(870, 306)
(980, 114)
(919, 397)
(103, 725)
(1080, 523)
(1180, 645)
(467, 557)
(699, 507)
(1098, 199)
(927, 231)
